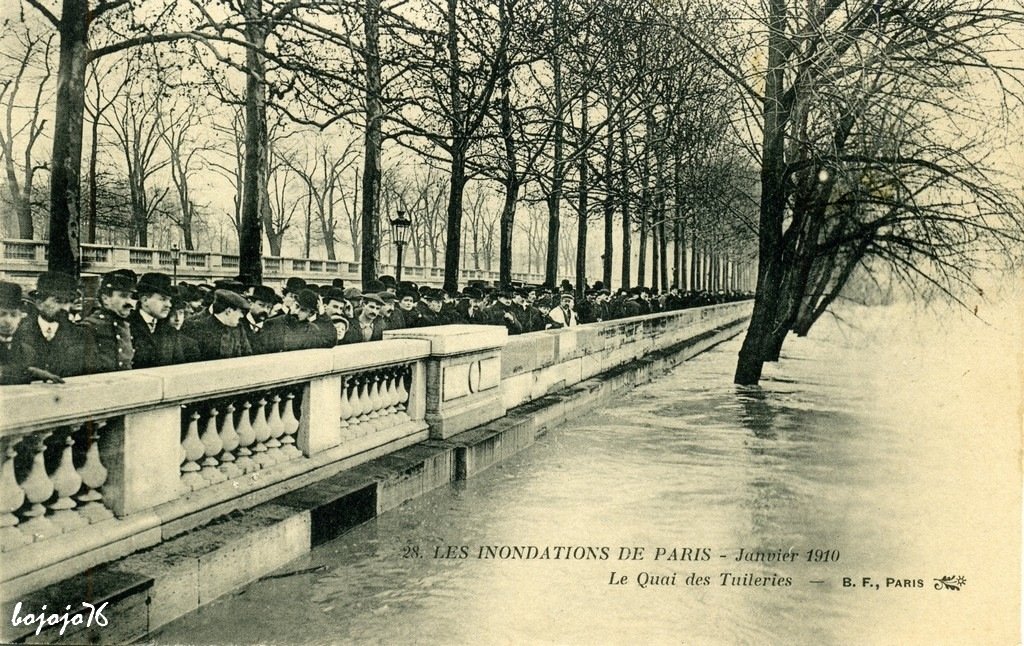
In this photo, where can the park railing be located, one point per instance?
(22, 259)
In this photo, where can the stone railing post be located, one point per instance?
(142, 458)
(120, 257)
(463, 376)
(321, 410)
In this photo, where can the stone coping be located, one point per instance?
(449, 340)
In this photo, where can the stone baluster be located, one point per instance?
(380, 403)
(365, 404)
(262, 431)
(94, 476)
(246, 436)
(391, 392)
(375, 402)
(276, 430)
(38, 488)
(194, 450)
(357, 404)
(346, 405)
(291, 427)
(403, 394)
(229, 442)
(66, 483)
(213, 446)
(11, 499)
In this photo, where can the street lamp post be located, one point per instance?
(175, 257)
(400, 229)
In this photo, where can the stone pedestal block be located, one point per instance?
(142, 460)
(321, 411)
(463, 375)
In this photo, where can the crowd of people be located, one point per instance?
(133, 321)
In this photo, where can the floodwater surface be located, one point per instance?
(879, 460)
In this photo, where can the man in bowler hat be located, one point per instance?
(47, 339)
(154, 341)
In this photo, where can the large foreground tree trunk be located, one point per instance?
(763, 334)
(66, 160)
(369, 254)
(250, 234)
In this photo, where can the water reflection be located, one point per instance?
(863, 443)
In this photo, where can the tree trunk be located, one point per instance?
(655, 257)
(512, 182)
(93, 181)
(761, 334)
(452, 248)
(66, 159)
(369, 254)
(627, 237)
(558, 167)
(663, 254)
(250, 238)
(508, 217)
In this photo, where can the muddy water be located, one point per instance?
(884, 450)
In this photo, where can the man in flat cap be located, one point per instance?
(155, 341)
(108, 334)
(367, 326)
(390, 315)
(295, 330)
(14, 368)
(216, 333)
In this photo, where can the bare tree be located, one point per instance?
(323, 172)
(134, 119)
(855, 166)
(31, 65)
(178, 133)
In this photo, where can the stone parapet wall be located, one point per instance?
(105, 465)
(534, 365)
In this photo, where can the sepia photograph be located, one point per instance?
(473, 322)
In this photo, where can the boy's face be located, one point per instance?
(177, 318)
(10, 318)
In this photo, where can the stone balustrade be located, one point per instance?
(22, 260)
(105, 465)
(123, 457)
